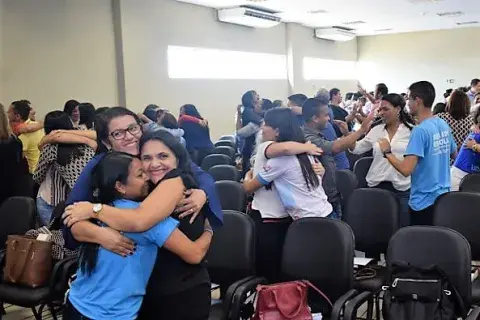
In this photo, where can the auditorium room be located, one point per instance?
(279, 159)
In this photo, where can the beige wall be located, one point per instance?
(55, 50)
(399, 60)
(149, 26)
(304, 44)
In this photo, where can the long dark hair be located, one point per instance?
(248, 99)
(397, 101)
(287, 125)
(87, 114)
(184, 164)
(115, 166)
(102, 121)
(60, 120)
(191, 110)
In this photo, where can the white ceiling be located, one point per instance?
(379, 16)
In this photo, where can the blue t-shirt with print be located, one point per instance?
(432, 142)
(116, 287)
(467, 160)
(330, 134)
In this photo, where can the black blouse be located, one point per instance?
(11, 165)
(171, 274)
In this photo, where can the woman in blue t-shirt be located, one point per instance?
(109, 286)
(468, 159)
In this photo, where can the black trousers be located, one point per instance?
(70, 313)
(423, 217)
(191, 304)
(270, 239)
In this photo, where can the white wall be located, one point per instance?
(304, 44)
(55, 50)
(149, 26)
(111, 52)
(435, 56)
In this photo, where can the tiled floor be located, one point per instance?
(17, 313)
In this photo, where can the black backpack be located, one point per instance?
(419, 293)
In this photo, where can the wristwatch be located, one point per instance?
(386, 152)
(97, 207)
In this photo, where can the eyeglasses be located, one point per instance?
(119, 134)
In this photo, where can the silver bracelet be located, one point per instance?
(208, 230)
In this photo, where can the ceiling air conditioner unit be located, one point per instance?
(334, 34)
(248, 17)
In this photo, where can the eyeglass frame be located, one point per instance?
(123, 132)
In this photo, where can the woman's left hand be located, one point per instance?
(470, 143)
(193, 202)
(318, 168)
(76, 212)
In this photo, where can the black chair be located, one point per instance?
(17, 216)
(228, 151)
(233, 271)
(346, 183)
(50, 296)
(228, 138)
(232, 195)
(360, 169)
(225, 172)
(459, 211)
(373, 215)
(213, 160)
(321, 250)
(470, 183)
(225, 143)
(426, 246)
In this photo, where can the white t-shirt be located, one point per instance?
(266, 201)
(299, 202)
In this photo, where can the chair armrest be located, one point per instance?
(62, 270)
(3, 255)
(352, 306)
(340, 303)
(474, 314)
(240, 295)
(227, 300)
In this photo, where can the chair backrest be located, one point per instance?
(360, 169)
(346, 183)
(232, 195)
(17, 216)
(215, 159)
(470, 183)
(373, 215)
(427, 246)
(225, 172)
(225, 143)
(460, 211)
(228, 151)
(233, 245)
(228, 137)
(320, 250)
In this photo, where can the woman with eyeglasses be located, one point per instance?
(119, 129)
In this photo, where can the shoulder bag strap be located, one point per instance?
(300, 305)
(319, 292)
(19, 265)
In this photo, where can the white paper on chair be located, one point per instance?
(359, 261)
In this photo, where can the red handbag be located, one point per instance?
(285, 301)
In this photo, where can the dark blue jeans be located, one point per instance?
(402, 198)
(70, 313)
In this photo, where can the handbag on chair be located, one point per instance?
(28, 261)
(285, 301)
